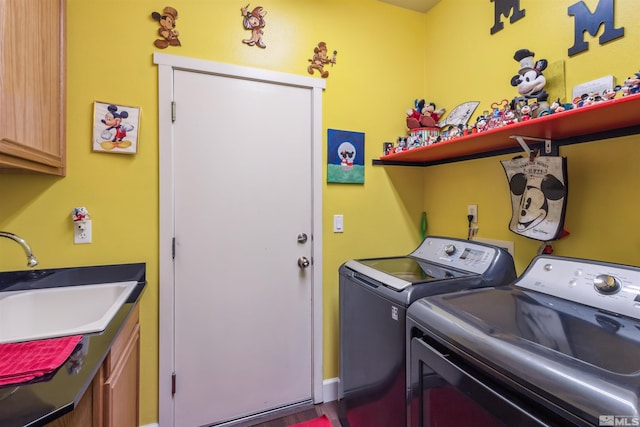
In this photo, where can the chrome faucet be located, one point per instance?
(31, 260)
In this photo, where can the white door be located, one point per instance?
(243, 219)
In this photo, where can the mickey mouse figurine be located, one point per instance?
(530, 81)
(167, 31)
(423, 115)
(632, 85)
(320, 59)
(254, 21)
(430, 111)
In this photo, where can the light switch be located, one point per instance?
(338, 223)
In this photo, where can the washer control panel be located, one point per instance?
(463, 254)
(610, 287)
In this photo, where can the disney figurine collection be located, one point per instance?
(531, 103)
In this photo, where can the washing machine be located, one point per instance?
(374, 296)
(558, 347)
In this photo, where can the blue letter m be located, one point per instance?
(503, 8)
(586, 21)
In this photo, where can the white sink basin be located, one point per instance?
(57, 312)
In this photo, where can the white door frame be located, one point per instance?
(166, 65)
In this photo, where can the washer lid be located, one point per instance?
(572, 354)
(401, 272)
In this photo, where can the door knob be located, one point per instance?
(302, 238)
(303, 262)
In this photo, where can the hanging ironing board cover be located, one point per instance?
(538, 188)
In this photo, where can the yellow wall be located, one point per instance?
(378, 74)
(467, 63)
(387, 56)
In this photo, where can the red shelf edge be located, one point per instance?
(614, 114)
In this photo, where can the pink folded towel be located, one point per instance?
(21, 362)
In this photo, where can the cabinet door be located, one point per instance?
(122, 385)
(82, 416)
(32, 87)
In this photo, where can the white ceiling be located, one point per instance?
(417, 5)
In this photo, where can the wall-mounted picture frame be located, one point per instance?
(115, 128)
(345, 157)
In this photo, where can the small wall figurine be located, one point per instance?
(167, 30)
(80, 214)
(254, 21)
(320, 59)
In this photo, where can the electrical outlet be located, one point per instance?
(473, 210)
(82, 232)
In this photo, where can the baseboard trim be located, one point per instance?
(330, 389)
(329, 394)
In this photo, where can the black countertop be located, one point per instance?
(44, 399)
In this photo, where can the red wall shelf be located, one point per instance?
(609, 119)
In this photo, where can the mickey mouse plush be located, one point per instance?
(530, 81)
(424, 115)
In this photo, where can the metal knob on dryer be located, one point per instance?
(607, 284)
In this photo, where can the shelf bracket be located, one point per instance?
(525, 147)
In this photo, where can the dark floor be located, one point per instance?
(303, 413)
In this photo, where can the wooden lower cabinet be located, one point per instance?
(122, 385)
(112, 400)
(82, 415)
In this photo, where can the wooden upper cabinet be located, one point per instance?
(32, 86)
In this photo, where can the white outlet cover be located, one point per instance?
(82, 232)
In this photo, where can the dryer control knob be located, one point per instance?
(450, 250)
(607, 284)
